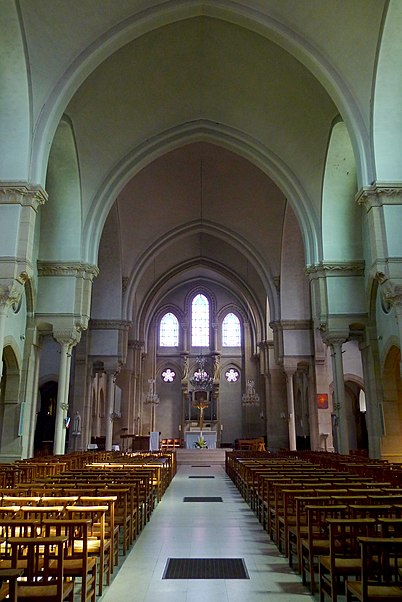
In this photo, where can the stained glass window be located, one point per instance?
(168, 375)
(200, 321)
(169, 331)
(231, 336)
(232, 375)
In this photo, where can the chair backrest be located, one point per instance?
(344, 534)
(381, 562)
(39, 553)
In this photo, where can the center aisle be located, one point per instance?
(226, 529)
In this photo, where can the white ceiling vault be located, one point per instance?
(200, 129)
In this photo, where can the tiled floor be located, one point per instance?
(199, 530)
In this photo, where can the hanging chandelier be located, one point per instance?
(151, 397)
(201, 379)
(250, 397)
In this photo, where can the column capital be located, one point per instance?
(326, 269)
(76, 269)
(289, 368)
(67, 337)
(379, 194)
(22, 193)
(136, 344)
(335, 339)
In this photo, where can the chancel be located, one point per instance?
(201, 217)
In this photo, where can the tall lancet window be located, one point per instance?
(169, 331)
(200, 321)
(231, 336)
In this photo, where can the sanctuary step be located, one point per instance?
(196, 457)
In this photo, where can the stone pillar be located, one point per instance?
(62, 402)
(67, 340)
(215, 337)
(135, 425)
(185, 336)
(30, 376)
(111, 384)
(290, 371)
(335, 343)
(372, 389)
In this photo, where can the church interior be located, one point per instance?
(201, 227)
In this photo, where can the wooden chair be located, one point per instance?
(78, 564)
(380, 578)
(111, 529)
(344, 558)
(8, 584)
(39, 582)
(316, 542)
(298, 530)
(98, 544)
(12, 528)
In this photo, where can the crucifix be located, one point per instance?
(201, 404)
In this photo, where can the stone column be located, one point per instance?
(335, 343)
(62, 402)
(290, 371)
(138, 347)
(372, 389)
(29, 393)
(215, 336)
(67, 340)
(111, 384)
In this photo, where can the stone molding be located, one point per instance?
(139, 345)
(296, 324)
(379, 194)
(21, 193)
(67, 268)
(335, 268)
(123, 325)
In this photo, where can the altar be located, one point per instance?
(191, 437)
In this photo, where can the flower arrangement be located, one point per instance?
(201, 443)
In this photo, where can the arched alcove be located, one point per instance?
(391, 444)
(10, 407)
(46, 418)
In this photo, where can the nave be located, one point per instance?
(180, 529)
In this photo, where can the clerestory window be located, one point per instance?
(231, 332)
(200, 321)
(169, 331)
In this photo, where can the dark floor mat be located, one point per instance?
(205, 568)
(202, 499)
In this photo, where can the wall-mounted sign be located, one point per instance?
(322, 401)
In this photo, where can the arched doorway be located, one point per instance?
(391, 443)
(45, 423)
(356, 416)
(9, 405)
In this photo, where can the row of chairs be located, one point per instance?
(320, 516)
(76, 516)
